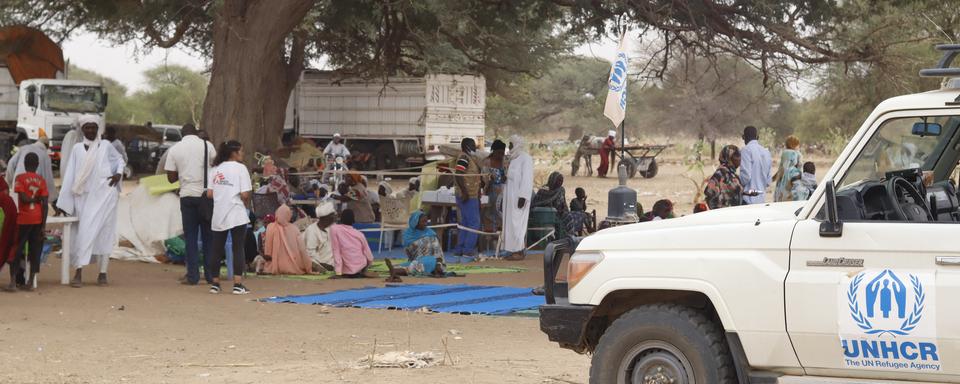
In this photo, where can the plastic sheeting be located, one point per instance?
(145, 221)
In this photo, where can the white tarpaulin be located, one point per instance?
(616, 105)
(145, 221)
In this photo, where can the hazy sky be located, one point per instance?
(126, 64)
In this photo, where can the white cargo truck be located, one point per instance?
(50, 106)
(400, 122)
(855, 285)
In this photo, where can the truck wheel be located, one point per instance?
(663, 343)
(651, 170)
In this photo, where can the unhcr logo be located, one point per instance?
(885, 308)
(618, 76)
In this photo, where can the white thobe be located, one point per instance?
(318, 244)
(96, 208)
(45, 170)
(519, 185)
(755, 165)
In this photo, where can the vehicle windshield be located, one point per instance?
(895, 146)
(72, 98)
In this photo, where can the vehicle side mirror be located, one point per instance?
(832, 226)
(926, 129)
(32, 97)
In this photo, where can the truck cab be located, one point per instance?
(52, 106)
(855, 284)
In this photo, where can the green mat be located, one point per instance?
(380, 267)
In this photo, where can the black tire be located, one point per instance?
(651, 170)
(665, 339)
(631, 168)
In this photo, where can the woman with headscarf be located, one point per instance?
(355, 196)
(553, 195)
(724, 188)
(517, 191)
(422, 246)
(789, 170)
(662, 209)
(284, 250)
(91, 190)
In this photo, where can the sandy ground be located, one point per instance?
(146, 328)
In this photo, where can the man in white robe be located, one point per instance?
(516, 199)
(91, 189)
(15, 166)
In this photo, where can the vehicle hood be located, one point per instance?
(720, 228)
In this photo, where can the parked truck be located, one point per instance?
(399, 122)
(854, 285)
(36, 99)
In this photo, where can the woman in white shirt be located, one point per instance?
(230, 188)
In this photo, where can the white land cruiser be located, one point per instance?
(859, 284)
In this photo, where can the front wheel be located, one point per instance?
(651, 170)
(663, 343)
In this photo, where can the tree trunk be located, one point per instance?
(254, 69)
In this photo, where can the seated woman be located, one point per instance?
(283, 249)
(554, 196)
(422, 246)
(351, 252)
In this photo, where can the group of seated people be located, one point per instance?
(332, 244)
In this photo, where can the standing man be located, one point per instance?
(15, 166)
(91, 189)
(468, 198)
(110, 134)
(755, 165)
(185, 163)
(516, 196)
(335, 148)
(606, 153)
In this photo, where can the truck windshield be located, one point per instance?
(72, 98)
(894, 147)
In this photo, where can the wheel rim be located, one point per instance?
(656, 362)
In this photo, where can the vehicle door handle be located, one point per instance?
(948, 260)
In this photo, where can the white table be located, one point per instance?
(67, 222)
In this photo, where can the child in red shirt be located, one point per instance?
(8, 233)
(32, 194)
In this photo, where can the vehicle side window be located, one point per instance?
(32, 96)
(894, 147)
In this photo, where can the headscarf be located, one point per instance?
(519, 146)
(79, 184)
(412, 234)
(552, 194)
(283, 244)
(726, 155)
(386, 187)
(793, 142)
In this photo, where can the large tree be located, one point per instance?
(258, 47)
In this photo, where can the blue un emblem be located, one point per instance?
(889, 305)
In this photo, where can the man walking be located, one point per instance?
(91, 189)
(468, 198)
(516, 196)
(755, 165)
(189, 162)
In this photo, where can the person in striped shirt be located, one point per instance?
(468, 198)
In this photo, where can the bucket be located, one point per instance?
(541, 217)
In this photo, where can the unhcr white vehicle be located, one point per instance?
(859, 284)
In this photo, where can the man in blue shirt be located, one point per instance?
(755, 165)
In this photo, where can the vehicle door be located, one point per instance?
(879, 299)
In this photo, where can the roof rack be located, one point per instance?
(943, 69)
